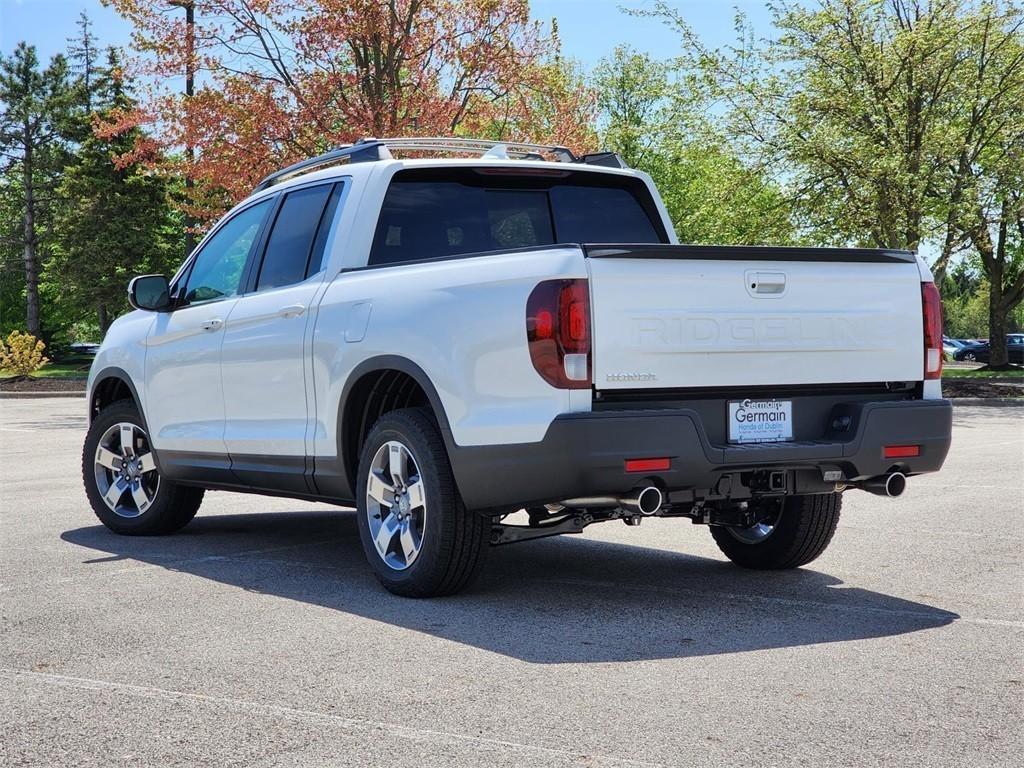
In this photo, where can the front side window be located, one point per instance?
(217, 270)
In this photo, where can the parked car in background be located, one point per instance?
(950, 346)
(981, 351)
(87, 348)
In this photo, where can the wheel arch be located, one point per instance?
(110, 385)
(374, 387)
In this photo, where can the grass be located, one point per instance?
(57, 371)
(971, 373)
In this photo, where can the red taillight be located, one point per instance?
(574, 310)
(558, 332)
(931, 307)
(647, 465)
(544, 325)
(901, 451)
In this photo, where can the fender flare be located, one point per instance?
(389, 363)
(114, 372)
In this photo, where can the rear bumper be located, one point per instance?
(584, 454)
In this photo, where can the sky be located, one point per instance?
(589, 29)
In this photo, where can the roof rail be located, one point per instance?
(362, 151)
(483, 147)
(371, 149)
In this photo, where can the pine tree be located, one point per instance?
(33, 124)
(115, 220)
(82, 54)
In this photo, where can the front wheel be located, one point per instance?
(793, 533)
(417, 535)
(122, 480)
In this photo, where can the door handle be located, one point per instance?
(292, 310)
(765, 283)
(212, 324)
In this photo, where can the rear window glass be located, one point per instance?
(600, 215)
(429, 214)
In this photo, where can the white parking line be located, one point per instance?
(323, 718)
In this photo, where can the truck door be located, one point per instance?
(264, 358)
(185, 400)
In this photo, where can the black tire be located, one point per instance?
(172, 506)
(803, 530)
(453, 539)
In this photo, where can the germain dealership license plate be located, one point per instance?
(760, 421)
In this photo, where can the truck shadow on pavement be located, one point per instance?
(561, 600)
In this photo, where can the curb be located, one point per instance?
(34, 395)
(990, 401)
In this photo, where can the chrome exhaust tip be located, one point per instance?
(646, 500)
(892, 485)
(895, 485)
(650, 500)
(643, 500)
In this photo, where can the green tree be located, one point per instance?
(36, 105)
(988, 179)
(897, 122)
(115, 220)
(714, 198)
(12, 264)
(632, 95)
(655, 119)
(83, 56)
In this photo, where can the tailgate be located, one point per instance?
(715, 316)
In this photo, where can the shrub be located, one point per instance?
(22, 354)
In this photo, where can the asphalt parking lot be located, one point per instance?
(257, 637)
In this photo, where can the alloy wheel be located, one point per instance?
(396, 506)
(125, 470)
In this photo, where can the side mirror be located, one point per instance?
(150, 292)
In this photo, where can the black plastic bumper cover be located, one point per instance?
(584, 454)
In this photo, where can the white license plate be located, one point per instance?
(760, 421)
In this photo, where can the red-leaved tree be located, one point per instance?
(280, 80)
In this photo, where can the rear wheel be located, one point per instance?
(793, 533)
(122, 481)
(417, 535)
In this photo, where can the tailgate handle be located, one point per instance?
(765, 283)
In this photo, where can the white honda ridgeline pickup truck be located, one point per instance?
(442, 343)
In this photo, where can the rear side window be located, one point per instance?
(318, 258)
(432, 213)
(289, 250)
